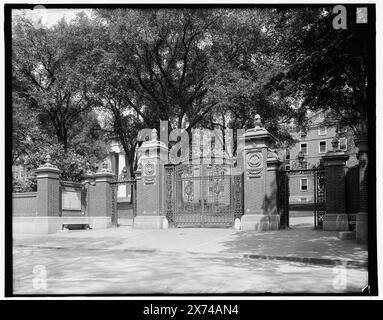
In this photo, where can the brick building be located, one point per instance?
(308, 150)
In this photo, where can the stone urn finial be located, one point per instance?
(154, 134)
(258, 122)
(48, 165)
(88, 170)
(48, 162)
(104, 167)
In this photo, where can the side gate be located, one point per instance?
(316, 194)
(124, 201)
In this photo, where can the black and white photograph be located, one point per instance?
(159, 150)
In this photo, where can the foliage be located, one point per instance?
(47, 75)
(51, 108)
(77, 85)
(72, 164)
(192, 68)
(328, 69)
(24, 184)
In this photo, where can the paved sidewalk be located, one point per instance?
(297, 244)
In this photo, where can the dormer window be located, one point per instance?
(322, 131)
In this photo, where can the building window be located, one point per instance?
(304, 183)
(287, 154)
(322, 147)
(303, 134)
(343, 144)
(304, 148)
(322, 131)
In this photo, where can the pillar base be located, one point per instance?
(347, 235)
(362, 227)
(150, 222)
(37, 225)
(100, 222)
(335, 222)
(260, 222)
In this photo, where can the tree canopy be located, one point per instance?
(78, 84)
(328, 69)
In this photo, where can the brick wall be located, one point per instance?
(335, 190)
(352, 189)
(24, 204)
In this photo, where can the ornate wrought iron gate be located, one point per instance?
(203, 195)
(319, 194)
(124, 192)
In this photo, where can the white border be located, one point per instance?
(379, 158)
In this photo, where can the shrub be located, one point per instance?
(24, 184)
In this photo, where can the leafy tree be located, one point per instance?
(327, 69)
(51, 108)
(26, 133)
(190, 67)
(47, 73)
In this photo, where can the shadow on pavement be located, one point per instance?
(303, 242)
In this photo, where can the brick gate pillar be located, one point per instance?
(362, 216)
(260, 184)
(48, 217)
(100, 199)
(151, 184)
(335, 179)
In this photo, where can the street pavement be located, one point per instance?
(78, 271)
(173, 261)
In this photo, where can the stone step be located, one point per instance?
(347, 235)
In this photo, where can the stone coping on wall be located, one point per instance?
(24, 194)
(71, 184)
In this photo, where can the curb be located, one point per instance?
(309, 260)
(89, 249)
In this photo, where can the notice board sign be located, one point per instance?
(71, 200)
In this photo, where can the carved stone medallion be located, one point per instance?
(149, 168)
(254, 164)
